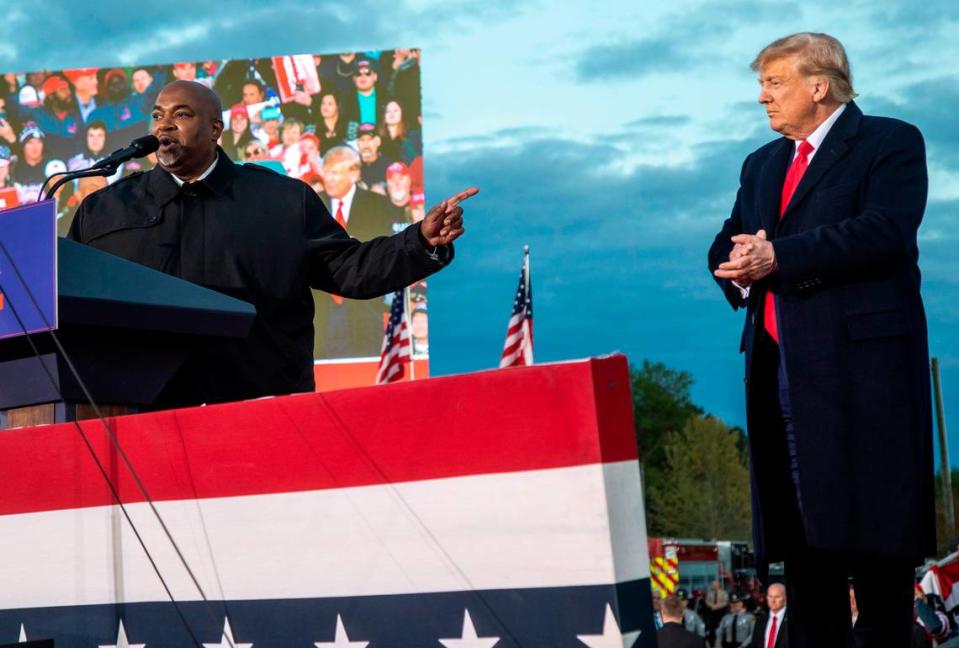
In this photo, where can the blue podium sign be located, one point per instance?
(28, 269)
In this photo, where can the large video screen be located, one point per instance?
(347, 124)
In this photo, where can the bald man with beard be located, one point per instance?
(252, 234)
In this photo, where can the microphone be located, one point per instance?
(140, 147)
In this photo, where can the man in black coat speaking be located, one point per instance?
(254, 235)
(821, 250)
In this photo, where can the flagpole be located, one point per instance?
(409, 327)
(528, 280)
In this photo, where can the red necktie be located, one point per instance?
(772, 634)
(342, 222)
(793, 176)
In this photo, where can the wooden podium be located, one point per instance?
(127, 330)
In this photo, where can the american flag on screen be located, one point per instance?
(396, 342)
(518, 349)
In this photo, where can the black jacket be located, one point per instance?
(674, 635)
(759, 633)
(260, 237)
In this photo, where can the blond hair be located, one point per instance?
(816, 54)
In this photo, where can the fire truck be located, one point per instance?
(693, 564)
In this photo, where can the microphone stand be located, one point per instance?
(107, 170)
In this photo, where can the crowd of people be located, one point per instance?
(349, 125)
(757, 619)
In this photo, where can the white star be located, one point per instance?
(341, 640)
(122, 641)
(612, 636)
(227, 641)
(23, 634)
(469, 638)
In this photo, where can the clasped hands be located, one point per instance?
(751, 259)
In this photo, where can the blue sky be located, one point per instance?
(606, 135)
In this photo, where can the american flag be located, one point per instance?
(518, 349)
(396, 343)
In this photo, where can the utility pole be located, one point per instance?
(945, 470)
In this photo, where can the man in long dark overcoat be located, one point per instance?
(820, 249)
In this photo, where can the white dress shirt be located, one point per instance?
(180, 182)
(779, 616)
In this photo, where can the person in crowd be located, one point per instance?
(254, 95)
(7, 132)
(288, 152)
(931, 625)
(691, 621)
(399, 143)
(373, 172)
(418, 211)
(187, 71)
(124, 113)
(337, 72)
(657, 601)
(234, 74)
(255, 151)
(735, 629)
(673, 634)
(364, 104)
(398, 185)
(58, 117)
(821, 250)
(404, 82)
(771, 625)
(420, 330)
(717, 602)
(28, 172)
(315, 181)
(310, 161)
(268, 130)
(85, 89)
(352, 328)
(282, 240)
(234, 139)
(94, 147)
(331, 127)
(142, 79)
(5, 160)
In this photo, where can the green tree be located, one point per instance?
(662, 404)
(704, 492)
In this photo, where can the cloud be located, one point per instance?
(679, 42)
(658, 121)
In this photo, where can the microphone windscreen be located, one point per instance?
(145, 145)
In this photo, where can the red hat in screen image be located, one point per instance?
(312, 137)
(53, 84)
(238, 109)
(397, 168)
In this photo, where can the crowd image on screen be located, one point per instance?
(285, 113)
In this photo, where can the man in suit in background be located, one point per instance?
(351, 328)
(770, 629)
(673, 634)
(821, 250)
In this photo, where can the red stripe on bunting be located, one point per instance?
(528, 418)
